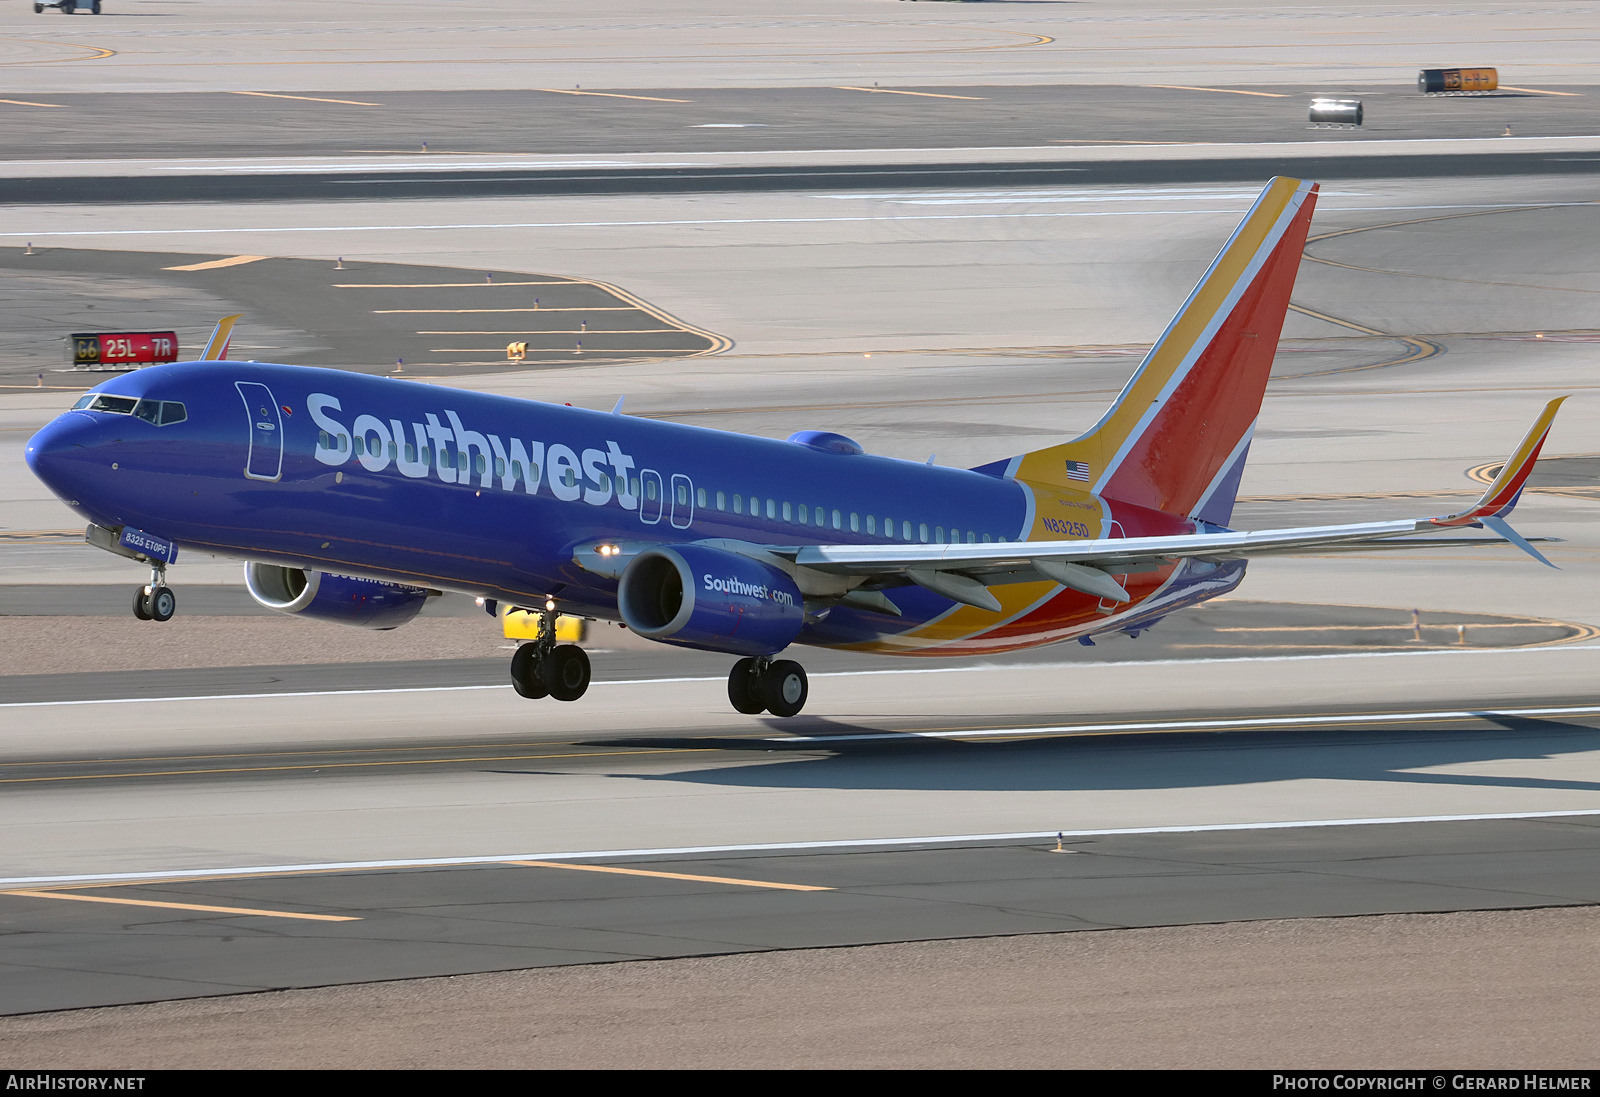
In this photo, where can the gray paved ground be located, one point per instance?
(1501, 989)
(209, 651)
(735, 119)
(364, 316)
(409, 924)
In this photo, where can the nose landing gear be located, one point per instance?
(542, 668)
(155, 601)
(767, 685)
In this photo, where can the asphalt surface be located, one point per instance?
(734, 119)
(473, 182)
(371, 317)
(1233, 628)
(84, 945)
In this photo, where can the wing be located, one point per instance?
(964, 572)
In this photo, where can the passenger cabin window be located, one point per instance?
(855, 522)
(738, 505)
(722, 500)
(700, 497)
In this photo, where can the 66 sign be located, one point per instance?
(123, 348)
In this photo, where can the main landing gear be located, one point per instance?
(542, 668)
(767, 685)
(155, 601)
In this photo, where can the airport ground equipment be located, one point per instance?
(1337, 112)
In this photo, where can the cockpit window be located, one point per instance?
(172, 412)
(120, 405)
(83, 401)
(149, 411)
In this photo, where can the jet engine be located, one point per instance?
(701, 597)
(365, 603)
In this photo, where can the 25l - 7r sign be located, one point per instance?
(123, 348)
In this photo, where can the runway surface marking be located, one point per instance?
(1223, 91)
(1230, 212)
(118, 878)
(612, 95)
(671, 875)
(1536, 91)
(923, 94)
(448, 285)
(25, 103)
(436, 312)
(217, 264)
(184, 906)
(283, 164)
(328, 760)
(1454, 652)
(346, 765)
(308, 99)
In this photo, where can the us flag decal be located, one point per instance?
(1078, 470)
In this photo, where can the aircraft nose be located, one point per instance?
(61, 452)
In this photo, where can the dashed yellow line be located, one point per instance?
(184, 906)
(309, 99)
(217, 264)
(433, 312)
(670, 875)
(453, 285)
(1220, 91)
(923, 94)
(613, 95)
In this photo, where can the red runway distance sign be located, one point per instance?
(124, 348)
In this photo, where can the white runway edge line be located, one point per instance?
(39, 234)
(980, 669)
(862, 844)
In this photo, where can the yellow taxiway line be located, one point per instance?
(613, 95)
(923, 94)
(309, 99)
(25, 103)
(1222, 91)
(670, 875)
(217, 264)
(184, 906)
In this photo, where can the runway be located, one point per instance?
(234, 802)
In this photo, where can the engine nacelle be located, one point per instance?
(365, 603)
(707, 598)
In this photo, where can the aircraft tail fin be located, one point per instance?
(1176, 438)
(217, 346)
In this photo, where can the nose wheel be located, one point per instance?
(155, 601)
(766, 685)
